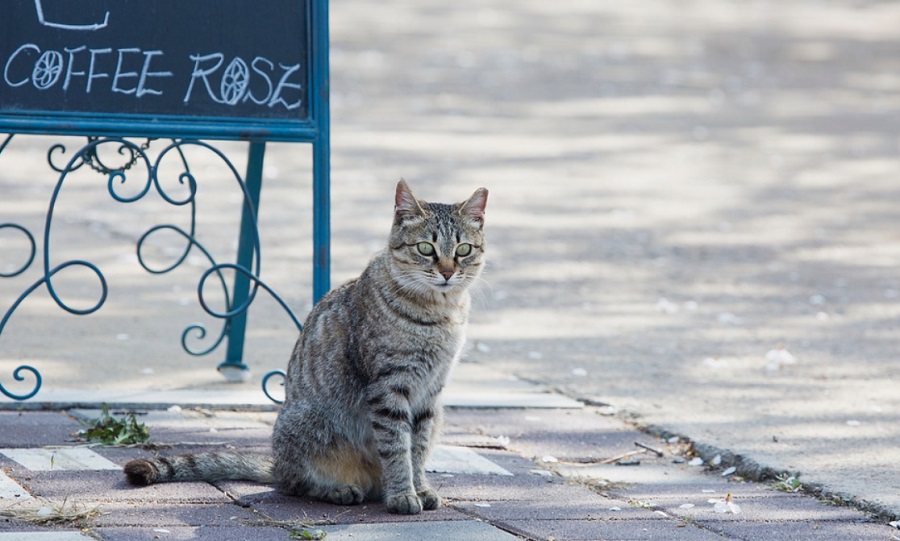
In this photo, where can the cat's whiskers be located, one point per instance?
(478, 292)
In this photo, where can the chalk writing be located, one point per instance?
(234, 85)
(158, 58)
(133, 71)
(39, 8)
(46, 70)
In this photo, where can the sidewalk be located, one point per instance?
(517, 471)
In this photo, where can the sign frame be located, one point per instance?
(219, 127)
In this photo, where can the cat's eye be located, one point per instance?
(463, 250)
(425, 248)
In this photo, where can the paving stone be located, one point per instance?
(571, 508)
(509, 461)
(671, 500)
(44, 536)
(564, 434)
(451, 435)
(496, 489)
(76, 458)
(238, 438)
(36, 428)
(609, 530)
(450, 459)
(812, 530)
(525, 484)
(646, 474)
(150, 513)
(762, 509)
(508, 399)
(193, 533)
(475, 385)
(101, 486)
(430, 531)
(11, 492)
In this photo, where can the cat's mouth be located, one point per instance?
(444, 285)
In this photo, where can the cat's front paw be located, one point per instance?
(430, 499)
(404, 504)
(346, 495)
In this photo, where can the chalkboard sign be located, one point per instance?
(208, 68)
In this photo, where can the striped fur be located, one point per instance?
(362, 408)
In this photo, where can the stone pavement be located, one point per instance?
(525, 464)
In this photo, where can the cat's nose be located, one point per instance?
(447, 274)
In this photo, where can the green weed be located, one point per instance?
(110, 430)
(307, 535)
(787, 483)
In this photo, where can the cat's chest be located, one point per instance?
(423, 356)
(439, 342)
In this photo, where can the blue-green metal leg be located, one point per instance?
(321, 218)
(233, 368)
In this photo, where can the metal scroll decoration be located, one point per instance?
(132, 159)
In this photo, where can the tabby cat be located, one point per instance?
(361, 410)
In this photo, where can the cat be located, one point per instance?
(361, 410)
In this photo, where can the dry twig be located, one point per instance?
(620, 457)
(657, 452)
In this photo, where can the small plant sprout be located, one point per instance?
(726, 505)
(788, 483)
(109, 430)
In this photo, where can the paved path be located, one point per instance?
(511, 473)
(678, 190)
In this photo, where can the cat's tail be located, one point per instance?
(201, 467)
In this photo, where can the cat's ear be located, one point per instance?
(405, 203)
(473, 208)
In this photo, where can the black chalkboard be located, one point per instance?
(245, 65)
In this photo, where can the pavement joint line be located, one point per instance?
(74, 459)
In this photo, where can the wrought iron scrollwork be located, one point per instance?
(265, 384)
(32, 247)
(118, 175)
